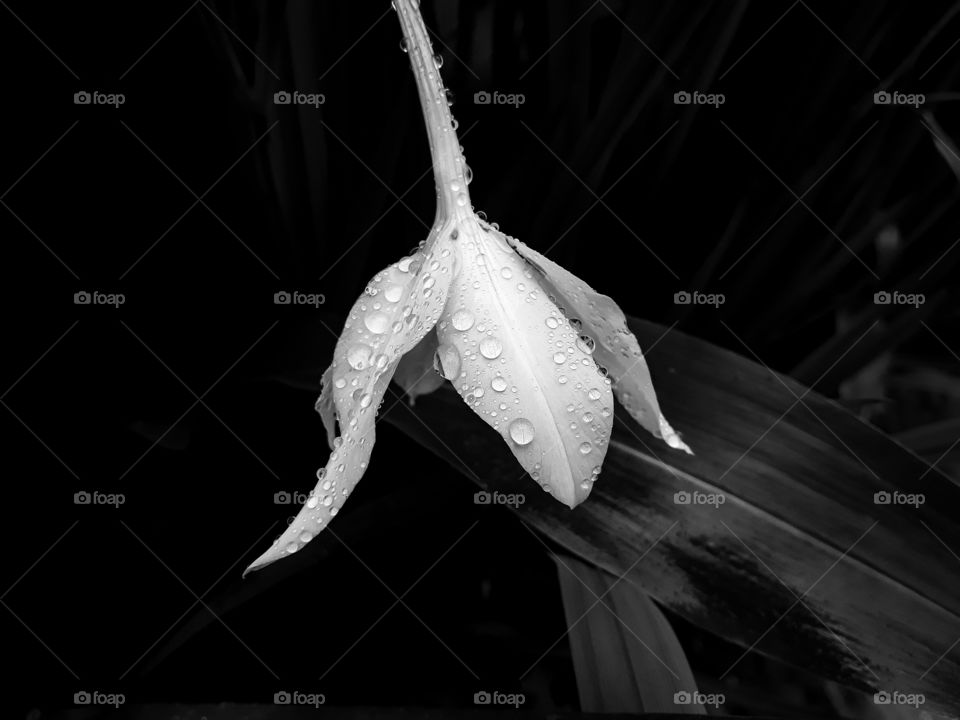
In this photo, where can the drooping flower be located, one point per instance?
(532, 349)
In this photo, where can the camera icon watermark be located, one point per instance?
(696, 297)
(696, 497)
(114, 500)
(895, 697)
(683, 697)
(696, 97)
(84, 97)
(284, 97)
(513, 500)
(899, 498)
(884, 297)
(284, 297)
(284, 497)
(99, 298)
(285, 697)
(884, 97)
(483, 97)
(499, 698)
(95, 697)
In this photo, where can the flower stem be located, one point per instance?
(449, 167)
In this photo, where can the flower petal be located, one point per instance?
(415, 373)
(324, 406)
(616, 347)
(398, 308)
(515, 360)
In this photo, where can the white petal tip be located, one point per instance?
(671, 438)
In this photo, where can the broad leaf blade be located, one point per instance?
(799, 521)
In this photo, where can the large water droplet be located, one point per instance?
(586, 344)
(559, 358)
(340, 383)
(521, 431)
(552, 323)
(498, 384)
(593, 394)
(491, 348)
(585, 448)
(446, 361)
(461, 200)
(306, 536)
(506, 273)
(377, 322)
(358, 356)
(393, 293)
(462, 320)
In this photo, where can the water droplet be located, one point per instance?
(461, 200)
(588, 417)
(586, 344)
(365, 400)
(593, 394)
(478, 392)
(491, 348)
(292, 547)
(358, 356)
(552, 323)
(429, 283)
(446, 361)
(506, 273)
(498, 384)
(306, 536)
(377, 322)
(562, 379)
(438, 59)
(340, 383)
(467, 172)
(312, 502)
(462, 320)
(559, 358)
(585, 448)
(521, 431)
(393, 293)
(327, 500)
(403, 44)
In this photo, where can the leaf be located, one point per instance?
(625, 654)
(798, 563)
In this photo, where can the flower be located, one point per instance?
(532, 349)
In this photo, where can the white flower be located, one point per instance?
(533, 350)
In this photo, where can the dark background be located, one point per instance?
(105, 199)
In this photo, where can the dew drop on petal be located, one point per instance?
(358, 356)
(365, 400)
(552, 323)
(377, 322)
(312, 502)
(446, 361)
(498, 383)
(393, 293)
(593, 394)
(521, 431)
(340, 383)
(491, 348)
(506, 273)
(306, 536)
(586, 344)
(292, 547)
(462, 320)
(559, 358)
(585, 448)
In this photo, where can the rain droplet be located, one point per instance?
(586, 344)
(292, 547)
(593, 394)
(393, 293)
(498, 384)
(585, 448)
(588, 417)
(462, 320)
(340, 383)
(506, 273)
(358, 356)
(521, 431)
(559, 358)
(552, 323)
(491, 348)
(306, 536)
(377, 322)
(461, 200)
(312, 502)
(365, 400)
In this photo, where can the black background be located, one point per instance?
(93, 388)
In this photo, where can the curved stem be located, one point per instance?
(449, 167)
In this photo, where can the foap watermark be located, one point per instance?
(299, 298)
(96, 297)
(696, 497)
(683, 697)
(83, 97)
(899, 498)
(885, 97)
(884, 297)
(895, 697)
(95, 697)
(114, 500)
(682, 97)
(290, 498)
(499, 98)
(314, 100)
(499, 698)
(286, 697)
(498, 498)
(699, 298)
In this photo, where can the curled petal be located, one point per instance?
(516, 361)
(416, 373)
(616, 347)
(324, 406)
(398, 308)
